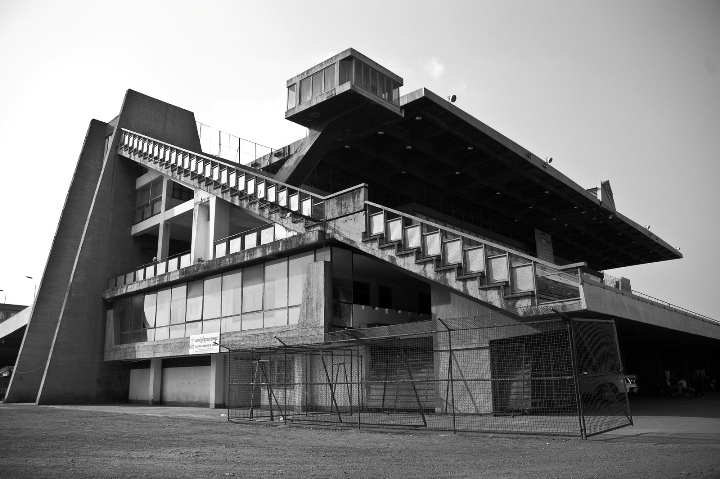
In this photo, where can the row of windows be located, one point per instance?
(349, 69)
(258, 296)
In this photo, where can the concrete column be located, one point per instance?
(218, 380)
(155, 386)
(200, 232)
(163, 240)
(219, 222)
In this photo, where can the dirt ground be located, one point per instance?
(95, 442)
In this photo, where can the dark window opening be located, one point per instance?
(385, 297)
(361, 293)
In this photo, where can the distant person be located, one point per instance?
(666, 382)
(683, 388)
(699, 379)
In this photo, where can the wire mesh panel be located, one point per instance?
(600, 376)
(554, 376)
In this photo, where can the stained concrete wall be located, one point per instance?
(44, 313)
(93, 242)
(139, 390)
(188, 386)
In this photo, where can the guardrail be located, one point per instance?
(238, 181)
(230, 147)
(674, 306)
(150, 270)
(251, 238)
(474, 257)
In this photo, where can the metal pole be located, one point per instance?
(576, 375)
(450, 368)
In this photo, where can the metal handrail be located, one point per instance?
(674, 306)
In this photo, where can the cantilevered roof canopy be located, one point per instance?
(433, 145)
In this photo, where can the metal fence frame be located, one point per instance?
(556, 376)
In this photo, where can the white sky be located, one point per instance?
(625, 91)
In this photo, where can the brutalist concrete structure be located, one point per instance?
(177, 242)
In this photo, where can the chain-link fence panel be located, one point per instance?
(555, 376)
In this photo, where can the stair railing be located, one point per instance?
(238, 181)
(472, 257)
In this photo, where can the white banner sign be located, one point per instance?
(204, 343)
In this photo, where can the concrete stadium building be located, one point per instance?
(178, 242)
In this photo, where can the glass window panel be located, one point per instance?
(177, 304)
(365, 76)
(276, 284)
(143, 196)
(194, 301)
(162, 333)
(231, 293)
(211, 304)
(297, 275)
(231, 323)
(211, 326)
(329, 78)
(317, 80)
(382, 86)
(162, 317)
(277, 317)
(291, 96)
(267, 235)
(236, 244)
(322, 254)
(147, 335)
(156, 189)
(122, 310)
(294, 315)
(193, 328)
(345, 71)
(305, 89)
(220, 249)
(177, 331)
(395, 93)
(374, 81)
(251, 240)
(252, 321)
(261, 190)
(149, 309)
(252, 299)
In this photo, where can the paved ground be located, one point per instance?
(672, 437)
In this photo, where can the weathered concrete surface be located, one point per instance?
(228, 262)
(44, 313)
(622, 304)
(15, 322)
(92, 243)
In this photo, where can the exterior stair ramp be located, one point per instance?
(492, 273)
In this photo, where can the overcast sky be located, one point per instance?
(626, 91)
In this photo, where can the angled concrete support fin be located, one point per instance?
(40, 331)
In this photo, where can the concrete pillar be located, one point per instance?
(155, 386)
(219, 221)
(218, 380)
(163, 240)
(200, 232)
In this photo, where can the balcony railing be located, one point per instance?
(251, 238)
(236, 181)
(474, 257)
(230, 147)
(150, 270)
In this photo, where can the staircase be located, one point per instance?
(276, 201)
(475, 267)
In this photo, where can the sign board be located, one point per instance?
(204, 343)
(544, 247)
